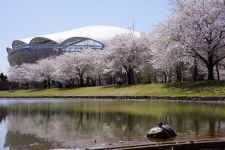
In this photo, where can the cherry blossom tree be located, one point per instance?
(22, 74)
(65, 72)
(168, 55)
(200, 27)
(38, 72)
(97, 65)
(128, 52)
(45, 70)
(71, 66)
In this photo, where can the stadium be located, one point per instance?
(29, 50)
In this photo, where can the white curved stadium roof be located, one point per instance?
(99, 33)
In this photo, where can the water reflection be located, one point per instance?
(3, 131)
(70, 121)
(3, 114)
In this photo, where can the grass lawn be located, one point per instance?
(203, 88)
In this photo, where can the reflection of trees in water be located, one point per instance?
(129, 123)
(80, 121)
(214, 128)
(3, 113)
(17, 139)
(179, 124)
(73, 124)
(219, 125)
(196, 126)
(212, 125)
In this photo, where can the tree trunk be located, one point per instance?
(149, 78)
(49, 83)
(99, 80)
(88, 81)
(170, 76)
(179, 74)
(165, 76)
(210, 72)
(129, 77)
(155, 77)
(81, 81)
(93, 82)
(27, 85)
(217, 72)
(45, 84)
(195, 75)
(210, 67)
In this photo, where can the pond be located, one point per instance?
(73, 123)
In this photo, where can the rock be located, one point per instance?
(162, 132)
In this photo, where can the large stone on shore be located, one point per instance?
(162, 132)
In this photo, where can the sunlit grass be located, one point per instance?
(204, 88)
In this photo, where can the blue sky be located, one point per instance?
(27, 18)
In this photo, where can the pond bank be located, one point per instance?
(184, 145)
(167, 98)
(214, 143)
